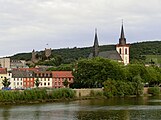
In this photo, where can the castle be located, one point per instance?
(36, 56)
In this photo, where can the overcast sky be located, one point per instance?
(32, 24)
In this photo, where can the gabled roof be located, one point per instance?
(22, 73)
(3, 71)
(26, 69)
(62, 74)
(113, 55)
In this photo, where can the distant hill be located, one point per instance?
(138, 51)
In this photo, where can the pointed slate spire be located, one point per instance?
(96, 45)
(122, 40)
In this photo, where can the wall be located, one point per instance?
(85, 92)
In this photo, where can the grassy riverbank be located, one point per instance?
(35, 96)
(58, 95)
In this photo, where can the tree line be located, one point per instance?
(138, 52)
(114, 76)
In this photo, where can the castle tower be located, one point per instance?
(96, 45)
(123, 48)
(33, 59)
(47, 53)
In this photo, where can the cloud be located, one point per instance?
(30, 24)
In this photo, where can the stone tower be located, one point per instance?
(33, 59)
(47, 53)
(123, 48)
(96, 45)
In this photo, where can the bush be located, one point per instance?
(35, 95)
(154, 90)
(62, 93)
(121, 88)
(96, 93)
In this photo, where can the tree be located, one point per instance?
(65, 83)
(6, 82)
(37, 82)
(138, 85)
(91, 73)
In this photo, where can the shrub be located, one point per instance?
(154, 90)
(96, 93)
(122, 88)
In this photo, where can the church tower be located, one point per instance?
(96, 45)
(123, 48)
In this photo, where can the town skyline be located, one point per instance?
(28, 25)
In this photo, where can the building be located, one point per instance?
(5, 63)
(45, 78)
(60, 76)
(18, 64)
(121, 54)
(122, 48)
(3, 75)
(37, 56)
(22, 79)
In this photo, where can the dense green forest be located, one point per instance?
(138, 52)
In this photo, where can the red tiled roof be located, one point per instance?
(3, 71)
(62, 74)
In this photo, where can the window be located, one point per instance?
(48, 83)
(126, 51)
(120, 50)
(45, 83)
(50, 74)
(24, 83)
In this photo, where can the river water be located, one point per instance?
(141, 108)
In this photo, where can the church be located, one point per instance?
(121, 54)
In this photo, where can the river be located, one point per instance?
(141, 108)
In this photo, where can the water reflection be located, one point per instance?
(142, 108)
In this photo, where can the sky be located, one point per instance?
(38, 24)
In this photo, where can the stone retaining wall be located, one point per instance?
(86, 92)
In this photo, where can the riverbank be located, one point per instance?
(36, 96)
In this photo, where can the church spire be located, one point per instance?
(122, 40)
(96, 45)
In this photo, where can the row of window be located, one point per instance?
(45, 84)
(120, 51)
(43, 75)
(17, 83)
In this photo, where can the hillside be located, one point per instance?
(138, 51)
